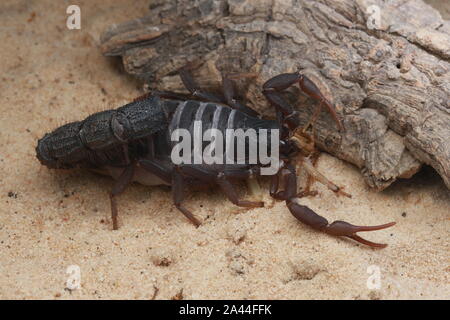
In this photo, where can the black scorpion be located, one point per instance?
(133, 143)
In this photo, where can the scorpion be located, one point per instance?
(133, 144)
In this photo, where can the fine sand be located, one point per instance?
(52, 220)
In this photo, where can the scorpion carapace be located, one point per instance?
(133, 143)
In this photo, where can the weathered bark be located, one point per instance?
(390, 81)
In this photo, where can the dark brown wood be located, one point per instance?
(387, 74)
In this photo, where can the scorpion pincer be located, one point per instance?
(133, 143)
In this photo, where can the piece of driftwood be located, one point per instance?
(384, 64)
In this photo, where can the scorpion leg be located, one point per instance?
(178, 196)
(228, 89)
(254, 187)
(314, 157)
(194, 88)
(122, 182)
(285, 80)
(316, 175)
(274, 186)
(156, 168)
(317, 222)
(229, 190)
(230, 97)
(222, 179)
(175, 179)
(239, 173)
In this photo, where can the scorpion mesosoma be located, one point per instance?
(132, 143)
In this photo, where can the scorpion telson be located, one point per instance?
(133, 143)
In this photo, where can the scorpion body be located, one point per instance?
(140, 131)
(133, 143)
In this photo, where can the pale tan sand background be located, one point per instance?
(50, 220)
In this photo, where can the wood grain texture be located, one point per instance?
(389, 78)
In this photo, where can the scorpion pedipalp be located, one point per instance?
(336, 228)
(345, 229)
(277, 84)
(309, 217)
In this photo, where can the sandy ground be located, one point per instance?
(52, 220)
